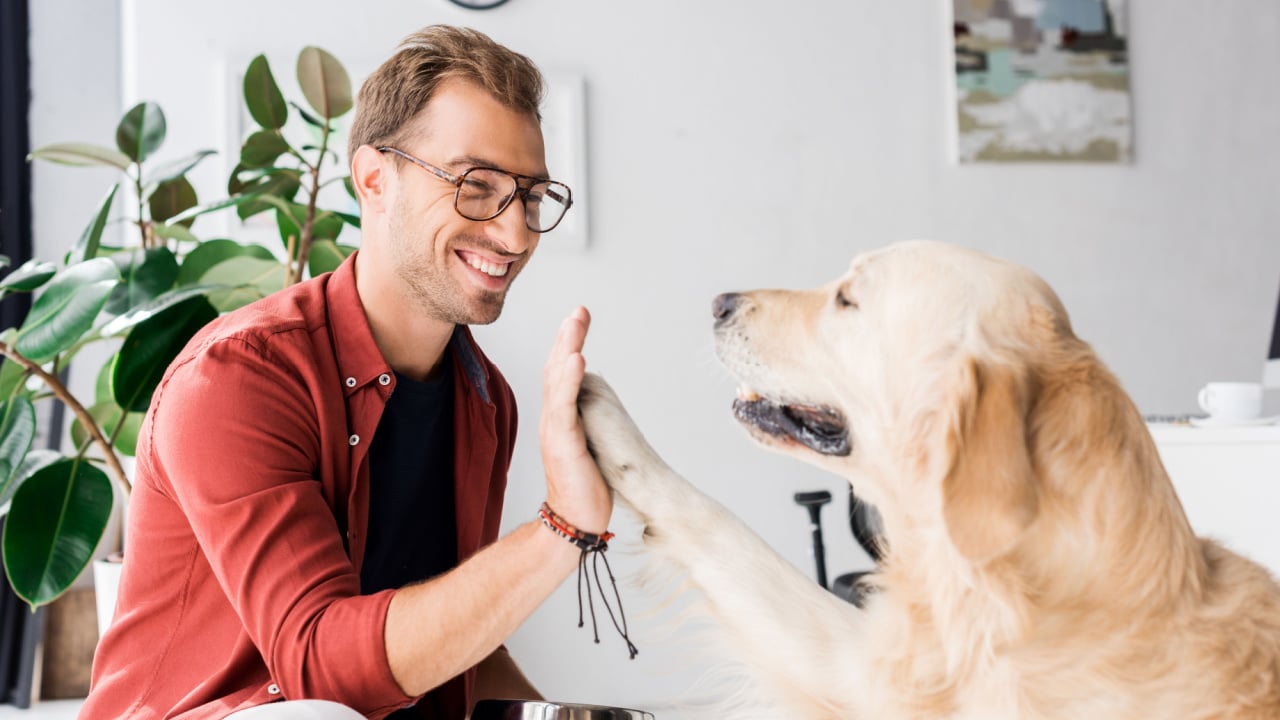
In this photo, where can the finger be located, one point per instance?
(569, 338)
(563, 402)
(555, 359)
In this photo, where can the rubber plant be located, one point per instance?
(147, 298)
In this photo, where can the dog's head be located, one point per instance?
(914, 374)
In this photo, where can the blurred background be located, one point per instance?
(735, 144)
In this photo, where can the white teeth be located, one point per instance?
(746, 394)
(488, 268)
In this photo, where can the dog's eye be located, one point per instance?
(843, 301)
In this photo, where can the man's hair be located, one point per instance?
(398, 90)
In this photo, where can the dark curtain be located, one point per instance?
(19, 627)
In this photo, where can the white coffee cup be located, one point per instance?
(1232, 400)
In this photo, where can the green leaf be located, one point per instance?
(310, 119)
(348, 218)
(211, 207)
(324, 82)
(81, 154)
(326, 226)
(151, 346)
(175, 169)
(351, 188)
(35, 459)
(262, 148)
(66, 309)
(56, 520)
(262, 95)
(17, 430)
(275, 187)
(172, 197)
(86, 248)
(102, 385)
(212, 252)
(141, 131)
(251, 279)
(29, 275)
(155, 306)
(174, 232)
(326, 256)
(11, 374)
(107, 416)
(144, 274)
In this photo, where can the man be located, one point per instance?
(319, 471)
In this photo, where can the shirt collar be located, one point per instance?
(359, 360)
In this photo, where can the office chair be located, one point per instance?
(864, 522)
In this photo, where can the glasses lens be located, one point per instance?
(482, 193)
(546, 204)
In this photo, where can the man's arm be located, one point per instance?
(437, 629)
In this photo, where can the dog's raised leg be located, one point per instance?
(790, 632)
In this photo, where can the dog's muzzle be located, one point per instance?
(820, 429)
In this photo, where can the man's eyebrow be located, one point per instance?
(462, 163)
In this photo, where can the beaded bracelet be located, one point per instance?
(587, 542)
(594, 545)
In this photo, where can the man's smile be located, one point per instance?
(491, 273)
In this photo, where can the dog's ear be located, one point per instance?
(989, 494)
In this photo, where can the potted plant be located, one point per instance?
(146, 299)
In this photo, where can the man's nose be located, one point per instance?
(514, 234)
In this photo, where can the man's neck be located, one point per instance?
(412, 342)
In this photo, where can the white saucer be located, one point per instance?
(1208, 422)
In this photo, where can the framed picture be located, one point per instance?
(1041, 81)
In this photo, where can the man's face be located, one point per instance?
(459, 270)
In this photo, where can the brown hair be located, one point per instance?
(398, 90)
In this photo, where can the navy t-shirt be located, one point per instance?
(413, 532)
(412, 518)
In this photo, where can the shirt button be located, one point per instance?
(384, 379)
(273, 689)
(351, 382)
(353, 440)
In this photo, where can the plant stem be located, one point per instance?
(115, 433)
(137, 186)
(86, 420)
(304, 242)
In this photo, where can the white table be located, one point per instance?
(1229, 482)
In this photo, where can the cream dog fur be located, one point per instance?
(1038, 562)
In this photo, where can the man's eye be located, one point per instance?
(476, 187)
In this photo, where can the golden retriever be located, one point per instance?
(1037, 561)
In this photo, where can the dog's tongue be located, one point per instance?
(820, 429)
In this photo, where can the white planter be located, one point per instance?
(106, 583)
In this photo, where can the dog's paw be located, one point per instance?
(620, 450)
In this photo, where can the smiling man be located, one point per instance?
(314, 527)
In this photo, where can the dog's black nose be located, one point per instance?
(724, 306)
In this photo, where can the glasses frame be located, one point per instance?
(457, 180)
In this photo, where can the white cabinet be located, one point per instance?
(1229, 482)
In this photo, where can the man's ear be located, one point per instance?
(989, 495)
(369, 177)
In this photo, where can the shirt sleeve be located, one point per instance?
(236, 442)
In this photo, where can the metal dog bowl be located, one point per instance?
(535, 710)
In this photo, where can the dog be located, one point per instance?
(1037, 562)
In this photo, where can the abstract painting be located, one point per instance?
(1042, 81)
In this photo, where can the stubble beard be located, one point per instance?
(433, 288)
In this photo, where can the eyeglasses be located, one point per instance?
(482, 193)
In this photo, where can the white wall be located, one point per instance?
(742, 144)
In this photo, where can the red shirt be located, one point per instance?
(249, 512)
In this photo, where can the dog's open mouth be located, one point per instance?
(821, 429)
